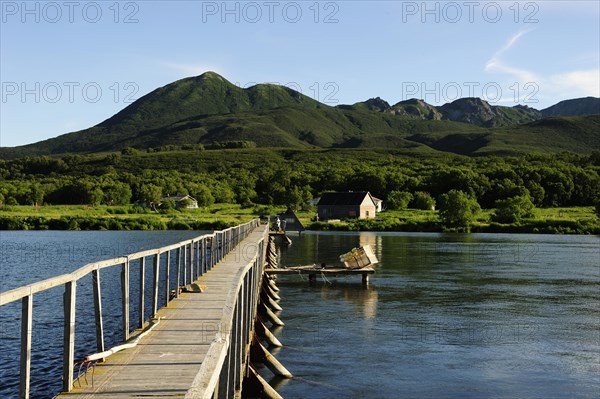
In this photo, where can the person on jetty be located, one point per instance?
(278, 224)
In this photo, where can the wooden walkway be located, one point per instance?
(166, 361)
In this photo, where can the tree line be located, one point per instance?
(292, 178)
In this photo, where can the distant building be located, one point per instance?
(182, 201)
(290, 222)
(378, 204)
(347, 205)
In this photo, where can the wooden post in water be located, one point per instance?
(156, 276)
(69, 299)
(142, 291)
(167, 281)
(365, 279)
(98, 311)
(26, 325)
(125, 299)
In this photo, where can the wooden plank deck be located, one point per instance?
(330, 271)
(166, 361)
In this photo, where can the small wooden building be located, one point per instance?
(182, 201)
(288, 221)
(378, 204)
(347, 205)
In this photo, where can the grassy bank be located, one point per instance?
(574, 220)
(121, 218)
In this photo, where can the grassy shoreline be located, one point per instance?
(574, 220)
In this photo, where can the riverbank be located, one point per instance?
(575, 220)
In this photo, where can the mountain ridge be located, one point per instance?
(208, 108)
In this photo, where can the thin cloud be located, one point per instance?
(576, 83)
(188, 69)
(558, 86)
(496, 64)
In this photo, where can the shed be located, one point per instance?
(182, 201)
(347, 205)
(378, 204)
(289, 221)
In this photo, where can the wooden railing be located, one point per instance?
(225, 365)
(192, 258)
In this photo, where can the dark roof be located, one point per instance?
(348, 198)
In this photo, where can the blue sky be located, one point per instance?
(66, 66)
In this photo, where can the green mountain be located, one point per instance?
(208, 109)
(575, 107)
(479, 112)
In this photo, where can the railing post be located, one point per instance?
(202, 247)
(167, 278)
(125, 299)
(26, 324)
(192, 264)
(198, 257)
(239, 345)
(142, 291)
(185, 268)
(178, 278)
(155, 287)
(69, 334)
(98, 310)
(213, 251)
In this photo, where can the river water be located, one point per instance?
(445, 316)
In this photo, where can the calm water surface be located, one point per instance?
(446, 316)
(30, 256)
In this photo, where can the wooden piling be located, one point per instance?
(270, 302)
(258, 353)
(268, 314)
(263, 332)
(259, 386)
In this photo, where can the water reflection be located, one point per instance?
(364, 299)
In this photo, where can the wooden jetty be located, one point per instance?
(199, 345)
(313, 271)
(358, 261)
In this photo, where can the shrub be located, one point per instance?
(398, 199)
(422, 200)
(457, 209)
(513, 210)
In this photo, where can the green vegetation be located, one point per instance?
(252, 182)
(458, 209)
(102, 217)
(514, 209)
(398, 199)
(270, 146)
(572, 220)
(208, 112)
